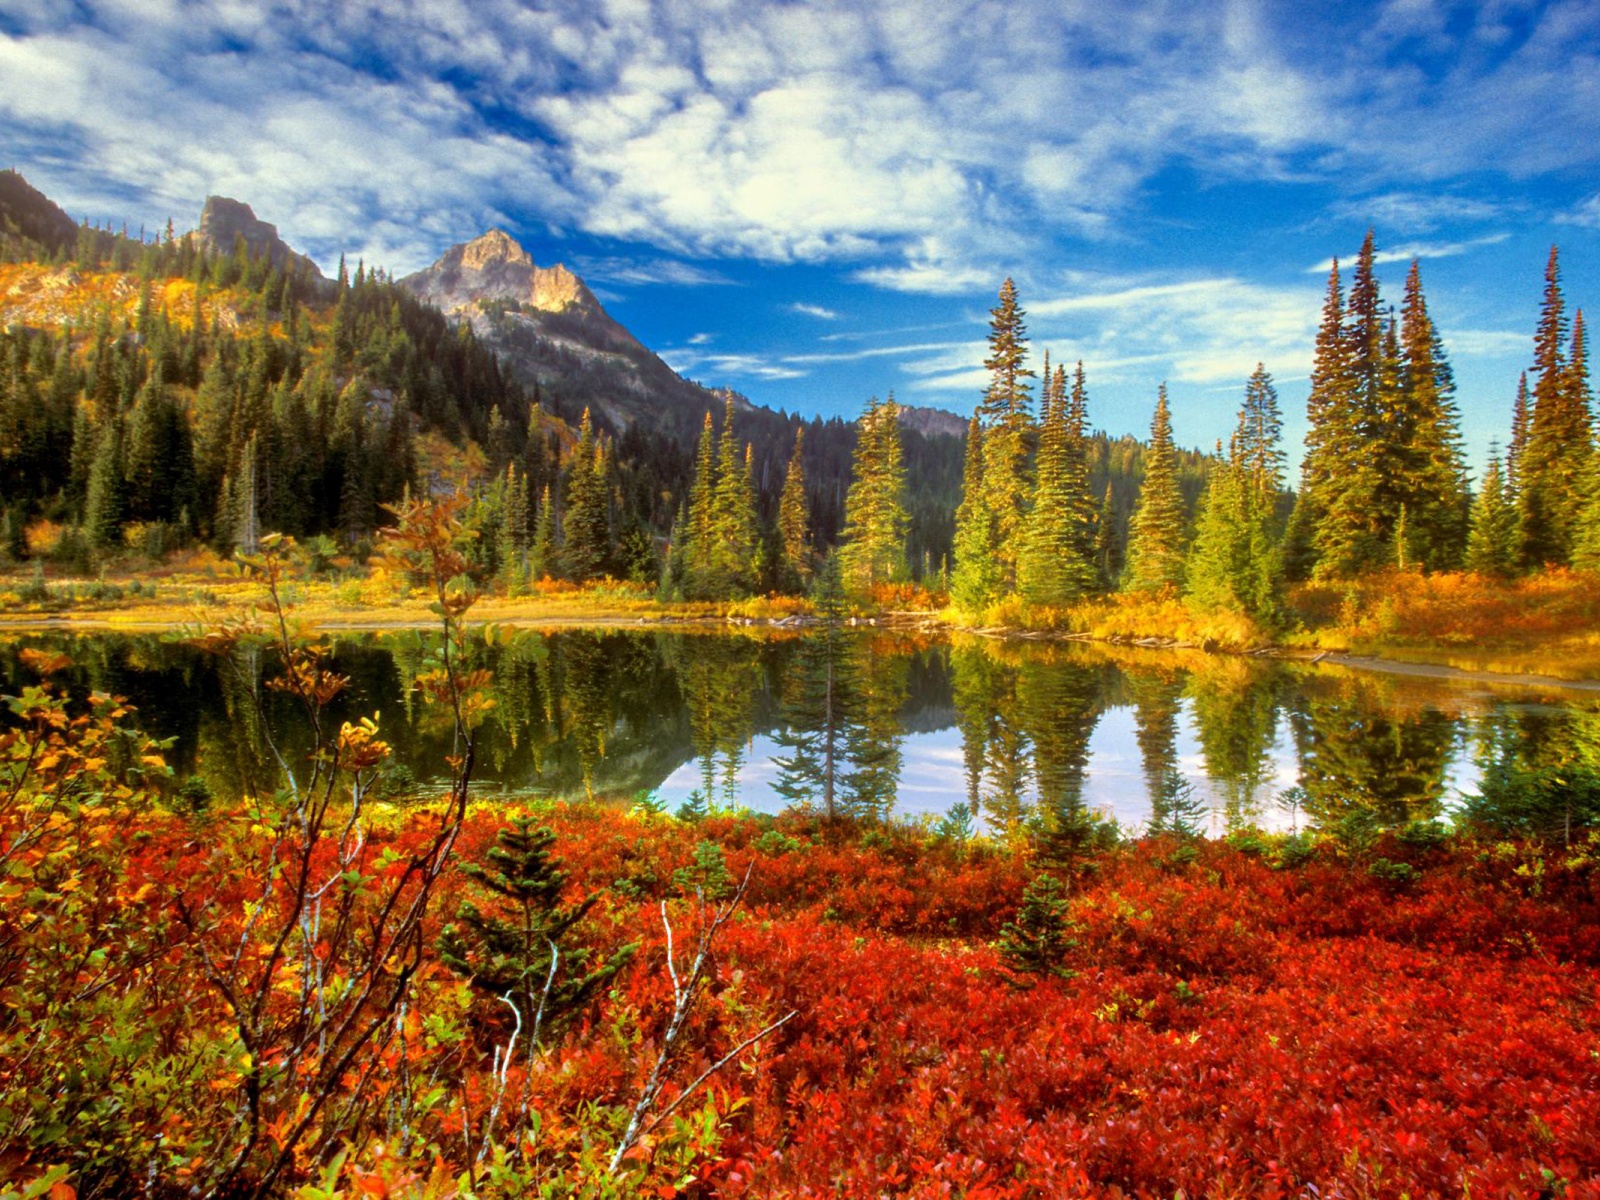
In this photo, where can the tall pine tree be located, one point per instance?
(794, 521)
(976, 580)
(1055, 566)
(1554, 467)
(1156, 534)
(1492, 540)
(873, 546)
(1008, 427)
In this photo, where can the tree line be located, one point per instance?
(1384, 481)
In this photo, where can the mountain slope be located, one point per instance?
(28, 216)
(554, 335)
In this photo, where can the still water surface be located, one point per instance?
(881, 724)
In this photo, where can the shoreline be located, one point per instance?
(113, 621)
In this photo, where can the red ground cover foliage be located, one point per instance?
(1232, 1029)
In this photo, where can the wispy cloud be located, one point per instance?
(1586, 214)
(844, 356)
(715, 368)
(1417, 212)
(1487, 343)
(813, 310)
(667, 271)
(1418, 250)
(1206, 332)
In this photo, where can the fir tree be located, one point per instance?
(1427, 472)
(699, 542)
(873, 546)
(1055, 566)
(736, 529)
(1338, 486)
(794, 520)
(586, 548)
(1260, 454)
(1554, 467)
(1155, 536)
(523, 954)
(975, 582)
(1008, 426)
(541, 553)
(1521, 422)
(1492, 542)
(1234, 564)
(105, 503)
(1039, 939)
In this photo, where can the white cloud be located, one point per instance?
(716, 368)
(813, 310)
(1586, 214)
(1202, 332)
(666, 271)
(1414, 212)
(1417, 250)
(1487, 343)
(879, 352)
(933, 147)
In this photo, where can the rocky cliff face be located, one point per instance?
(224, 221)
(26, 212)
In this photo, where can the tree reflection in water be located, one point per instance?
(840, 719)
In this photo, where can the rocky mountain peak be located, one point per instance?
(494, 267)
(495, 248)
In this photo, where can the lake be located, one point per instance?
(874, 723)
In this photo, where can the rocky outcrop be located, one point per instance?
(224, 221)
(933, 422)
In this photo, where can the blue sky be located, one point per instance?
(816, 202)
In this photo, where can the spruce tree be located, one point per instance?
(105, 504)
(1554, 467)
(1521, 422)
(1156, 533)
(699, 555)
(794, 520)
(522, 951)
(1260, 451)
(542, 552)
(1338, 485)
(975, 582)
(586, 549)
(1038, 940)
(1428, 469)
(1054, 567)
(1235, 564)
(1586, 544)
(1008, 427)
(1492, 541)
(872, 547)
(736, 528)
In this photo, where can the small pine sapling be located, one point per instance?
(521, 954)
(1038, 940)
(707, 877)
